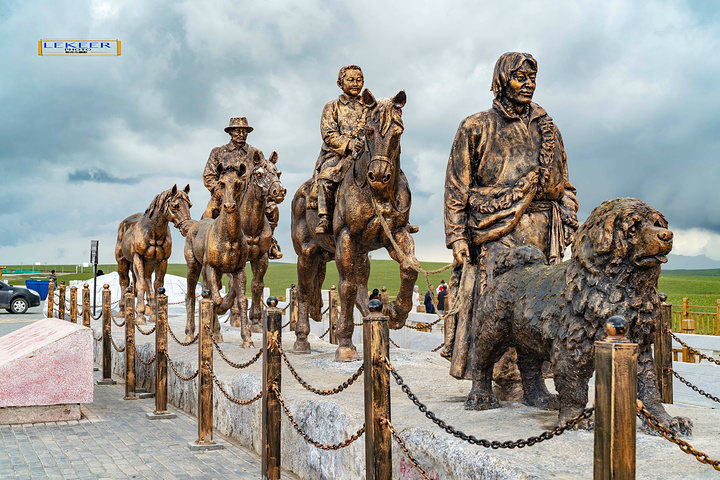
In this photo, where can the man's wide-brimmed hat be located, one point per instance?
(238, 122)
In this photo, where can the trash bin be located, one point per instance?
(40, 286)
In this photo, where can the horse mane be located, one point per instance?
(157, 203)
(386, 114)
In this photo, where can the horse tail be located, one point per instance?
(522, 256)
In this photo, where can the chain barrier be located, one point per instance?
(184, 344)
(401, 444)
(701, 457)
(693, 387)
(97, 339)
(438, 347)
(283, 327)
(113, 343)
(326, 332)
(309, 387)
(181, 377)
(116, 323)
(230, 362)
(285, 309)
(307, 438)
(143, 361)
(99, 315)
(392, 342)
(691, 349)
(149, 332)
(494, 444)
(231, 398)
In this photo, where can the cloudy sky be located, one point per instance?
(85, 142)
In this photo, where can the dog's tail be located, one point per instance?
(518, 257)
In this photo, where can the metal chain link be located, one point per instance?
(116, 323)
(230, 362)
(283, 327)
(149, 332)
(233, 399)
(426, 325)
(438, 347)
(701, 457)
(181, 377)
(401, 444)
(143, 361)
(307, 438)
(184, 344)
(697, 389)
(326, 332)
(113, 343)
(99, 316)
(309, 387)
(692, 350)
(494, 444)
(392, 342)
(96, 338)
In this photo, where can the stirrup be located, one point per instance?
(323, 226)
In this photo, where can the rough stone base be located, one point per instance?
(145, 395)
(39, 414)
(160, 416)
(198, 447)
(105, 382)
(335, 418)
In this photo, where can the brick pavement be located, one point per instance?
(114, 440)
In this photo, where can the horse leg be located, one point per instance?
(160, 271)
(307, 267)
(124, 274)
(345, 257)
(192, 279)
(238, 315)
(259, 267)
(139, 270)
(408, 275)
(362, 273)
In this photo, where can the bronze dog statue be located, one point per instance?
(557, 312)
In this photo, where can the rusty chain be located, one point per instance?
(691, 349)
(113, 343)
(99, 315)
(149, 332)
(143, 361)
(230, 362)
(309, 387)
(96, 338)
(697, 389)
(438, 347)
(401, 444)
(231, 398)
(283, 327)
(326, 332)
(392, 342)
(701, 457)
(323, 446)
(184, 344)
(172, 367)
(116, 323)
(494, 444)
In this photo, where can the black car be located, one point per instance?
(16, 299)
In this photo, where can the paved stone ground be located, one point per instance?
(114, 440)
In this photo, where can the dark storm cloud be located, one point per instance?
(97, 175)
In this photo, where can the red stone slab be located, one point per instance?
(49, 362)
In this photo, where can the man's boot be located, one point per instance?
(323, 225)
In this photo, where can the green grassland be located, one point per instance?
(702, 287)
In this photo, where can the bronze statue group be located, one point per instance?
(510, 213)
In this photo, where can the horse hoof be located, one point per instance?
(481, 401)
(256, 328)
(189, 338)
(148, 310)
(140, 319)
(235, 323)
(248, 344)
(120, 314)
(218, 337)
(346, 354)
(301, 346)
(153, 318)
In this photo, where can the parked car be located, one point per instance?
(17, 299)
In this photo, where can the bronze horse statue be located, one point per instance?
(225, 244)
(144, 242)
(375, 184)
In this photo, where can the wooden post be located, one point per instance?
(106, 346)
(385, 300)
(688, 326)
(663, 350)
(161, 342)
(378, 452)
(73, 304)
(61, 301)
(615, 404)
(205, 382)
(717, 318)
(271, 413)
(334, 314)
(293, 307)
(51, 300)
(130, 345)
(86, 306)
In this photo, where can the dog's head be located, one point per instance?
(622, 231)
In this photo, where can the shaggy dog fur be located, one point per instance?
(558, 312)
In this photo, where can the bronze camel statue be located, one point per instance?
(375, 183)
(144, 242)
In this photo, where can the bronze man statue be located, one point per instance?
(506, 185)
(235, 153)
(340, 127)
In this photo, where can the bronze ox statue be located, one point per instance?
(144, 242)
(557, 312)
(374, 185)
(223, 245)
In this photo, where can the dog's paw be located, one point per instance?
(481, 401)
